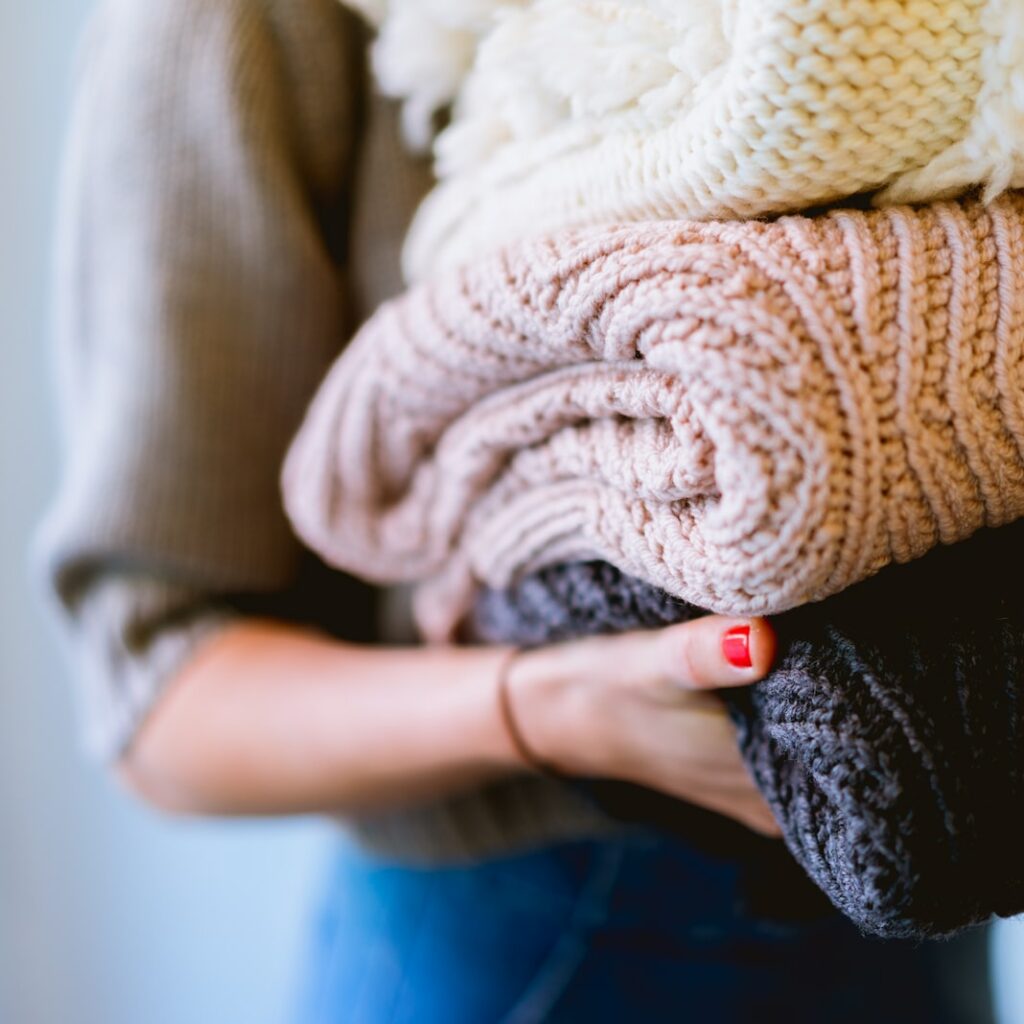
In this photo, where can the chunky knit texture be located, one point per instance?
(749, 416)
(888, 740)
(569, 113)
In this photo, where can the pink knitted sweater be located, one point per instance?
(750, 415)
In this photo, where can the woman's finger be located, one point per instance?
(705, 654)
(709, 653)
(715, 652)
(757, 817)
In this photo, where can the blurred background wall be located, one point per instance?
(107, 914)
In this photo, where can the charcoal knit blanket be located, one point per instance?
(750, 416)
(888, 739)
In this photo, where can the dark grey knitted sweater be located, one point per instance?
(887, 740)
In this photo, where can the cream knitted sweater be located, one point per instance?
(574, 112)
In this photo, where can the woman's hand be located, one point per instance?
(637, 707)
(268, 718)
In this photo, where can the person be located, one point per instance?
(232, 205)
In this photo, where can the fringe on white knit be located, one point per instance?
(991, 154)
(517, 70)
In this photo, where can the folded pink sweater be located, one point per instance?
(750, 416)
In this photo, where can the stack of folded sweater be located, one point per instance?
(637, 403)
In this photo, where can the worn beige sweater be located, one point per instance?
(233, 203)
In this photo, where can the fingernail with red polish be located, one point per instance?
(736, 646)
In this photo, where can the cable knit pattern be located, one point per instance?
(749, 416)
(887, 740)
(574, 112)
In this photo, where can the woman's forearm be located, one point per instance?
(271, 719)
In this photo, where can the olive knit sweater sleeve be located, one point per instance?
(199, 301)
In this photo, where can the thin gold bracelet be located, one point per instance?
(526, 753)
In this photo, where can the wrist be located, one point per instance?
(528, 757)
(550, 705)
(497, 746)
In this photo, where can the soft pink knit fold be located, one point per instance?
(749, 415)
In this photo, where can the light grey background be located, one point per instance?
(108, 915)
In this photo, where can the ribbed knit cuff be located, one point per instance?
(127, 638)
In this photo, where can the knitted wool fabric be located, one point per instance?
(573, 112)
(749, 416)
(887, 741)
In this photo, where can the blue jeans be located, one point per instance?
(642, 929)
